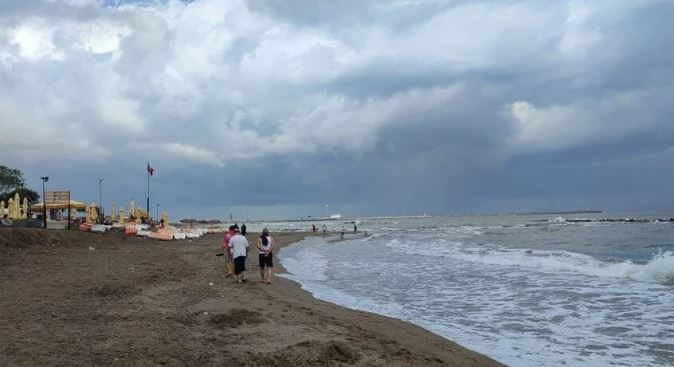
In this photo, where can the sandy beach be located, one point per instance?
(82, 299)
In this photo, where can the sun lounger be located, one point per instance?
(161, 235)
(130, 229)
(99, 228)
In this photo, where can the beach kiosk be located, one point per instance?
(57, 213)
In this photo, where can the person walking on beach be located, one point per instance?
(355, 229)
(341, 236)
(325, 230)
(239, 246)
(265, 244)
(229, 263)
(243, 229)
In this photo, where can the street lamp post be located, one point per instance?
(100, 200)
(44, 202)
(157, 217)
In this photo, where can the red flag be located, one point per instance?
(150, 170)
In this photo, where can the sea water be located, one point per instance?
(537, 290)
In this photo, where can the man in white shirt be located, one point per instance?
(239, 246)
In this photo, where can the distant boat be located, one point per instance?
(335, 216)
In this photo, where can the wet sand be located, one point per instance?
(82, 299)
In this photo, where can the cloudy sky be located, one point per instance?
(279, 107)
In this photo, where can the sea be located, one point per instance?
(526, 290)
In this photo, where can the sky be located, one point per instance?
(295, 108)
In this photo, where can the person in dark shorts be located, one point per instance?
(239, 246)
(265, 244)
(243, 229)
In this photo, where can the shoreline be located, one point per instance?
(71, 298)
(396, 324)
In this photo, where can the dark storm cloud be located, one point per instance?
(395, 106)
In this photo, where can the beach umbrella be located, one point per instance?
(74, 205)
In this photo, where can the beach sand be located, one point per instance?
(82, 299)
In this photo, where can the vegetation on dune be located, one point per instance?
(12, 182)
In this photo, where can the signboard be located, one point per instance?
(57, 198)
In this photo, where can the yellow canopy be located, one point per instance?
(73, 205)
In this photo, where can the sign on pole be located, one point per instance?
(58, 199)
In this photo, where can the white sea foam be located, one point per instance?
(306, 254)
(342, 298)
(523, 307)
(394, 242)
(372, 237)
(660, 269)
(295, 260)
(471, 230)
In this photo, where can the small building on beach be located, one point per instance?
(58, 212)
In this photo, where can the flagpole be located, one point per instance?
(148, 188)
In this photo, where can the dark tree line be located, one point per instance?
(11, 182)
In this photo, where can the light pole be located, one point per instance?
(44, 202)
(100, 200)
(157, 217)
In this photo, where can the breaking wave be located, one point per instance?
(659, 269)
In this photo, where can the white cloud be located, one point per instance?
(43, 136)
(80, 3)
(193, 154)
(550, 128)
(118, 113)
(100, 37)
(588, 121)
(292, 55)
(580, 35)
(222, 81)
(35, 40)
(329, 123)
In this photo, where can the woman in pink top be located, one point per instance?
(229, 262)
